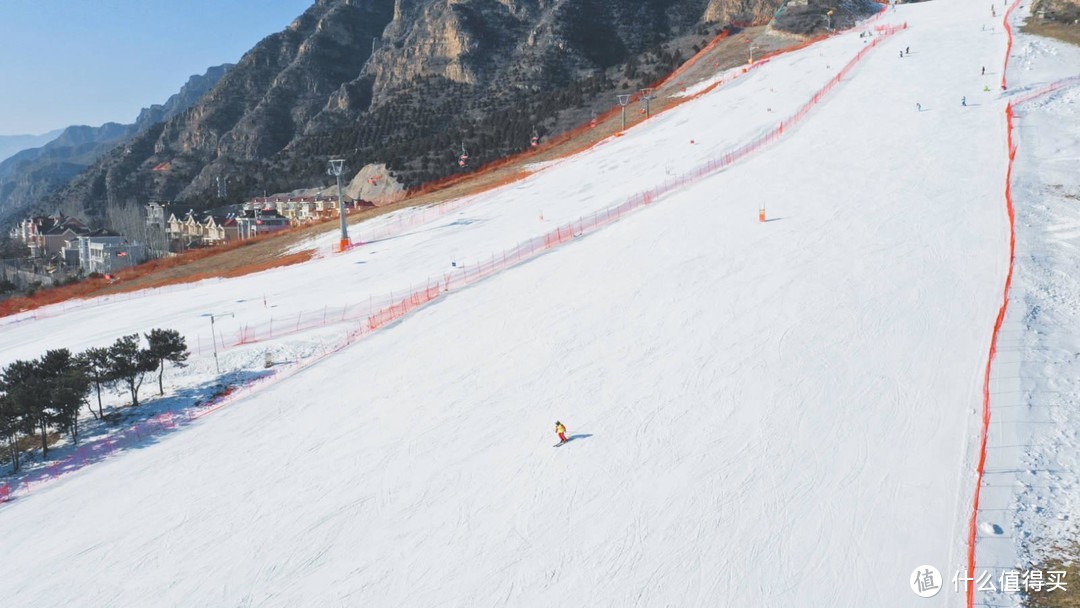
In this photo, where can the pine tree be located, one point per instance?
(11, 424)
(22, 384)
(95, 363)
(166, 345)
(128, 363)
(65, 386)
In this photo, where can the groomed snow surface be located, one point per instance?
(778, 414)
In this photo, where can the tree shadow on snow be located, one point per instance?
(128, 428)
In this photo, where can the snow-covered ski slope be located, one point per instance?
(777, 414)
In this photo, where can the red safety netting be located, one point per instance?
(378, 312)
(984, 427)
(1008, 42)
(1046, 89)
(980, 467)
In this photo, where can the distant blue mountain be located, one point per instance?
(11, 144)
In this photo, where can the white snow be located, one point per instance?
(778, 414)
(1029, 508)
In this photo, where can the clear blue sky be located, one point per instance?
(66, 62)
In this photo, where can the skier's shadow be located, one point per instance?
(578, 436)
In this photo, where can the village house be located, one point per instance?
(303, 209)
(105, 255)
(157, 214)
(66, 243)
(46, 236)
(193, 230)
(259, 222)
(257, 217)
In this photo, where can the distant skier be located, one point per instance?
(901, 54)
(963, 101)
(984, 71)
(560, 430)
(918, 106)
(907, 50)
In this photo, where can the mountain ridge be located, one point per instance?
(13, 144)
(32, 175)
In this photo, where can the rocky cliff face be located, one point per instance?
(196, 86)
(739, 11)
(406, 83)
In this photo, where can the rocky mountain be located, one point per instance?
(407, 83)
(32, 175)
(196, 86)
(12, 144)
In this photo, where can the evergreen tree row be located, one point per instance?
(46, 393)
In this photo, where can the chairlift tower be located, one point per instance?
(624, 100)
(647, 96)
(337, 167)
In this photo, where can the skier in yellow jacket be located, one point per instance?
(561, 430)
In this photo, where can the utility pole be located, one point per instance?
(624, 100)
(213, 335)
(337, 167)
